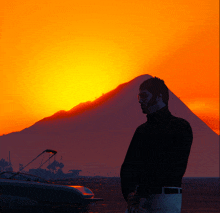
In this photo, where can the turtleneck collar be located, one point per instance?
(160, 115)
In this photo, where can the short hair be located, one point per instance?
(156, 86)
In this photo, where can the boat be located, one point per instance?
(33, 190)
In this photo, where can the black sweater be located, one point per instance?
(158, 153)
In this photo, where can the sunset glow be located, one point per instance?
(57, 54)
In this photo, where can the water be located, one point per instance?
(199, 195)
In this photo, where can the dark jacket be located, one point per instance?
(158, 153)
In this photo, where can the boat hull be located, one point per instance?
(36, 193)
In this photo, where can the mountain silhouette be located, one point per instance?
(94, 136)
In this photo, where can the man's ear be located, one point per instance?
(159, 98)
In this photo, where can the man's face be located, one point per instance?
(146, 99)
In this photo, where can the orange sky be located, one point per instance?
(56, 54)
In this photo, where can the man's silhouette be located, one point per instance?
(156, 160)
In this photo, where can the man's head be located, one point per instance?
(153, 95)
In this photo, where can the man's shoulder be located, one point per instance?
(180, 123)
(179, 120)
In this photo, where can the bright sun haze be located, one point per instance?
(57, 54)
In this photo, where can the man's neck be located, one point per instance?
(156, 107)
(159, 115)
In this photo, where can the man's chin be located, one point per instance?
(145, 111)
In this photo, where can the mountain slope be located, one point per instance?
(94, 136)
